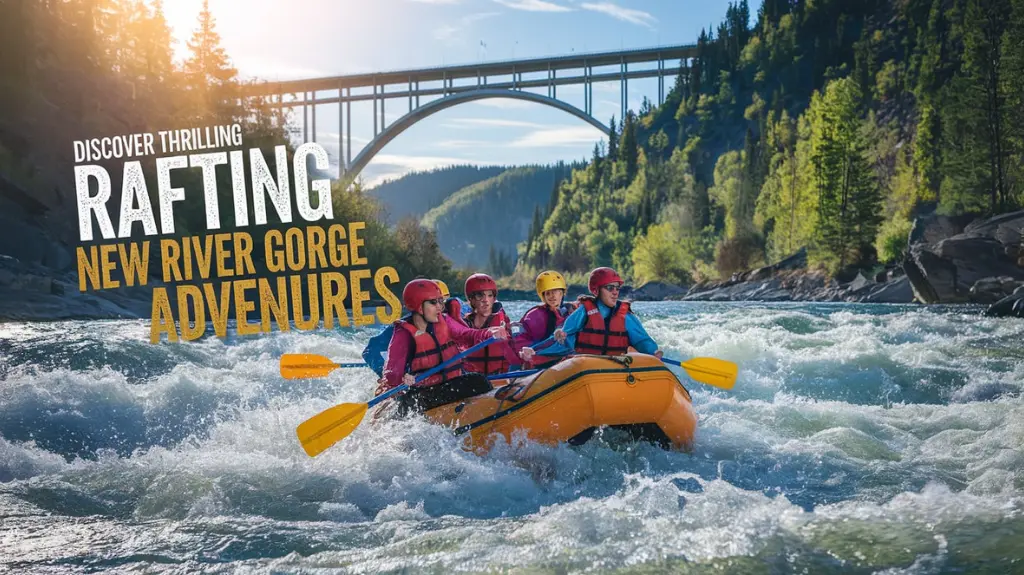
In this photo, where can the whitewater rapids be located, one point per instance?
(858, 439)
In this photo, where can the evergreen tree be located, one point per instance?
(628, 147)
(613, 141)
(849, 202)
(209, 74)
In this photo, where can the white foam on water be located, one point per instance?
(901, 426)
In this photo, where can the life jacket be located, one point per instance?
(603, 337)
(453, 307)
(491, 359)
(555, 320)
(432, 348)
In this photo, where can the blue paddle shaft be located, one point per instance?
(429, 372)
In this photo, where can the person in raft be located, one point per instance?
(602, 325)
(541, 321)
(452, 305)
(376, 351)
(500, 357)
(424, 339)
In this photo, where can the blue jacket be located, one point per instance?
(376, 352)
(638, 337)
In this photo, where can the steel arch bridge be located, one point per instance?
(460, 84)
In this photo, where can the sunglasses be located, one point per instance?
(439, 301)
(611, 287)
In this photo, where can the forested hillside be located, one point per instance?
(414, 194)
(79, 69)
(828, 124)
(480, 225)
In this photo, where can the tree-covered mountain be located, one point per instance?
(415, 193)
(479, 226)
(829, 124)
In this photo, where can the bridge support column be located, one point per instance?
(375, 110)
(348, 128)
(341, 133)
(661, 81)
(312, 114)
(305, 117)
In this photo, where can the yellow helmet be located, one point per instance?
(549, 280)
(444, 289)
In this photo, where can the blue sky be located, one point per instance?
(330, 37)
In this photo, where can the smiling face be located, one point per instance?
(553, 297)
(609, 294)
(482, 302)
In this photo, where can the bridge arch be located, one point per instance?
(405, 122)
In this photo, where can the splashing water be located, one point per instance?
(858, 439)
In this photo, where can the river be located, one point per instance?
(858, 439)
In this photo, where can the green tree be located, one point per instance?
(210, 77)
(849, 201)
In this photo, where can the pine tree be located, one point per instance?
(985, 22)
(628, 151)
(492, 260)
(849, 201)
(208, 72)
(613, 141)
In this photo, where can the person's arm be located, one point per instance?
(511, 347)
(638, 336)
(530, 333)
(464, 335)
(573, 324)
(398, 354)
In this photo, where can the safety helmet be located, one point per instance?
(549, 280)
(444, 289)
(602, 277)
(418, 291)
(480, 282)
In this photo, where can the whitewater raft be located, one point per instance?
(570, 400)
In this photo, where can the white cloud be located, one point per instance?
(447, 32)
(470, 18)
(534, 5)
(490, 122)
(560, 136)
(384, 166)
(462, 144)
(618, 12)
(436, 1)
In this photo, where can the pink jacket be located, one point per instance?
(401, 345)
(535, 326)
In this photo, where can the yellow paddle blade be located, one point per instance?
(329, 427)
(712, 371)
(305, 365)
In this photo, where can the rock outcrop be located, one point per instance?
(980, 264)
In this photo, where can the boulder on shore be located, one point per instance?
(965, 268)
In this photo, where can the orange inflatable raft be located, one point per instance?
(569, 400)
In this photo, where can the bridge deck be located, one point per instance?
(501, 68)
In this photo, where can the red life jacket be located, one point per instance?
(432, 348)
(453, 307)
(555, 321)
(491, 359)
(601, 337)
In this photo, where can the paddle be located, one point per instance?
(309, 365)
(334, 424)
(714, 372)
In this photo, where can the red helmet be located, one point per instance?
(480, 282)
(602, 277)
(418, 291)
